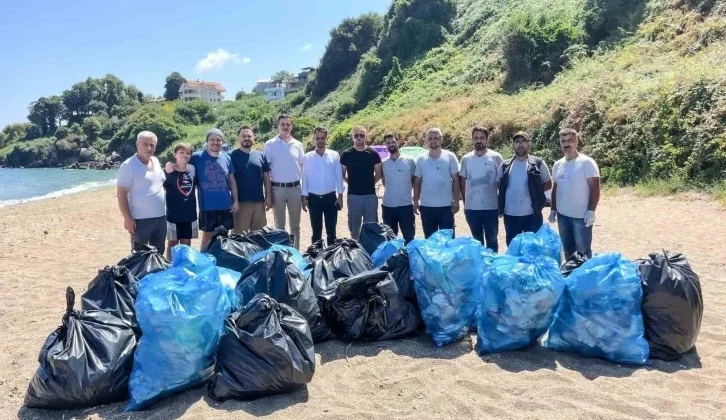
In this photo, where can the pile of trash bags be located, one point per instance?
(672, 304)
(373, 234)
(80, 366)
(447, 275)
(519, 298)
(181, 313)
(599, 314)
(145, 261)
(546, 242)
(266, 349)
(385, 250)
(369, 307)
(277, 275)
(233, 251)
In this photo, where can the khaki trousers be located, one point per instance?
(289, 198)
(251, 216)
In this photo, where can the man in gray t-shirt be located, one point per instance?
(398, 173)
(521, 179)
(141, 197)
(437, 185)
(478, 177)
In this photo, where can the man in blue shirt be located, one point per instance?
(251, 172)
(217, 187)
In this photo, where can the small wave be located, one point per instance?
(86, 186)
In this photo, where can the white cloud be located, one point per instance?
(217, 60)
(306, 47)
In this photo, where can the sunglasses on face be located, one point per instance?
(359, 136)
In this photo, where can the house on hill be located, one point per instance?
(196, 90)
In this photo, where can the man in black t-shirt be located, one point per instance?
(252, 172)
(181, 200)
(361, 170)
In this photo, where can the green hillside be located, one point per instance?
(643, 81)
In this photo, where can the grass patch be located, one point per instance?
(719, 193)
(661, 187)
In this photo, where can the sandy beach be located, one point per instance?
(48, 245)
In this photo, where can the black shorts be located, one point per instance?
(178, 231)
(210, 220)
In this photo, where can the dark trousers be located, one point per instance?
(150, 232)
(436, 218)
(323, 206)
(484, 224)
(402, 217)
(514, 225)
(575, 236)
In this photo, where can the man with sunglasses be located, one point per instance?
(361, 170)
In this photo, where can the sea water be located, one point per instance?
(21, 185)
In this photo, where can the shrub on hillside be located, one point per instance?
(32, 153)
(33, 132)
(196, 112)
(62, 132)
(149, 118)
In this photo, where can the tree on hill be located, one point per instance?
(46, 113)
(281, 76)
(172, 85)
(348, 42)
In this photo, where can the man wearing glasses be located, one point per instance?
(361, 170)
(523, 180)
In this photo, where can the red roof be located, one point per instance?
(209, 85)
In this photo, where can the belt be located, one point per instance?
(322, 195)
(286, 184)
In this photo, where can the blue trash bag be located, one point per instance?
(600, 315)
(519, 298)
(447, 274)
(181, 312)
(296, 256)
(187, 257)
(385, 250)
(546, 242)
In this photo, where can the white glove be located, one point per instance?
(589, 218)
(553, 216)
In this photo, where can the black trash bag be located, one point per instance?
(373, 234)
(672, 304)
(369, 307)
(572, 263)
(267, 236)
(231, 250)
(311, 254)
(347, 258)
(277, 275)
(84, 363)
(266, 349)
(321, 275)
(114, 289)
(397, 265)
(145, 261)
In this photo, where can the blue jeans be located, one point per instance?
(484, 224)
(436, 218)
(575, 236)
(514, 225)
(402, 217)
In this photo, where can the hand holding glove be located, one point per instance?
(589, 218)
(553, 216)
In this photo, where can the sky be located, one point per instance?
(48, 45)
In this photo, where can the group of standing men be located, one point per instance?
(237, 188)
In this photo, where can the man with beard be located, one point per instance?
(217, 187)
(575, 195)
(478, 174)
(437, 185)
(523, 180)
(322, 187)
(251, 172)
(398, 174)
(361, 169)
(285, 155)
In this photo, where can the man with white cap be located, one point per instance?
(217, 187)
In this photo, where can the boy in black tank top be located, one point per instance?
(181, 200)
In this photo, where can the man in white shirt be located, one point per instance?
(437, 185)
(398, 174)
(575, 195)
(141, 197)
(322, 187)
(523, 181)
(478, 177)
(285, 156)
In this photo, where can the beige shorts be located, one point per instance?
(251, 216)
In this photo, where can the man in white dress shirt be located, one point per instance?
(285, 156)
(322, 187)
